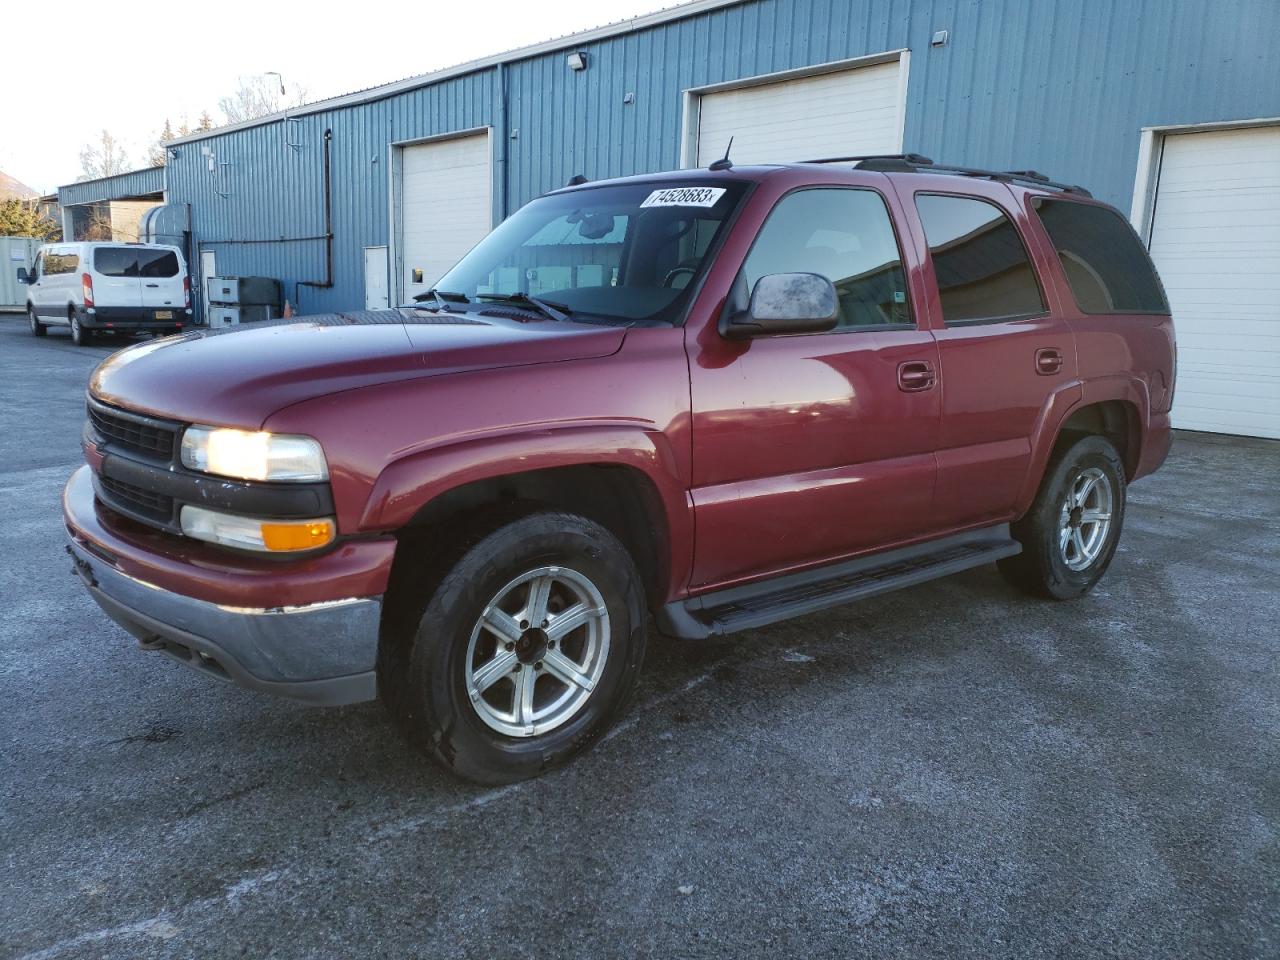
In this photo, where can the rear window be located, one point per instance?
(135, 262)
(1105, 263)
(157, 263)
(983, 271)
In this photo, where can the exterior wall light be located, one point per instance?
(576, 61)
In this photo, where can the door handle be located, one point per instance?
(916, 375)
(1048, 361)
(153, 285)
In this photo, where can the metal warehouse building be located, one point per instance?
(1169, 109)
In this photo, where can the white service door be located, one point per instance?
(1215, 237)
(208, 270)
(446, 208)
(375, 279)
(849, 113)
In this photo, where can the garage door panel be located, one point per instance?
(846, 112)
(1215, 237)
(446, 206)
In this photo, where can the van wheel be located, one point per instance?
(79, 335)
(1070, 533)
(526, 651)
(38, 329)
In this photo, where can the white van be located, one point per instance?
(108, 287)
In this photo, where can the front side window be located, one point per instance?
(59, 261)
(846, 236)
(1105, 263)
(982, 267)
(622, 254)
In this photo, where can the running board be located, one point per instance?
(793, 595)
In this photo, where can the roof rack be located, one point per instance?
(914, 163)
(906, 158)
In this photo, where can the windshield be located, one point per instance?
(622, 254)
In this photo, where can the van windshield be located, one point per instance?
(628, 253)
(135, 262)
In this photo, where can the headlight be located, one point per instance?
(250, 455)
(273, 536)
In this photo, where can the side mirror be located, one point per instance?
(23, 276)
(786, 303)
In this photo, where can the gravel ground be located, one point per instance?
(950, 771)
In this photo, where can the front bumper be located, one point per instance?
(321, 651)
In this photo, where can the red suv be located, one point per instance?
(714, 398)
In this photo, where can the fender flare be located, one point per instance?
(408, 484)
(1068, 400)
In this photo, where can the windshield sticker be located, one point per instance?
(684, 197)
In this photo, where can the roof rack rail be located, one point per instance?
(906, 158)
(914, 163)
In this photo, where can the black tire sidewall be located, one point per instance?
(38, 329)
(1059, 579)
(436, 692)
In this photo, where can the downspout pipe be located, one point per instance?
(327, 283)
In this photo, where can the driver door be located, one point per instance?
(809, 448)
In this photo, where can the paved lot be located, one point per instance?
(953, 771)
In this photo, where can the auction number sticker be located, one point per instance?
(684, 197)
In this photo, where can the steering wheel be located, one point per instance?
(672, 274)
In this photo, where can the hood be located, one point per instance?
(239, 376)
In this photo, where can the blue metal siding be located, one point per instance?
(135, 183)
(1062, 86)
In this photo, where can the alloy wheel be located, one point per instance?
(1085, 518)
(537, 651)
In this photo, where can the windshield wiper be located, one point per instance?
(556, 311)
(442, 298)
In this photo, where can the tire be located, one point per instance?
(38, 329)
(482, 688)
(79, 335)
(1067, 545)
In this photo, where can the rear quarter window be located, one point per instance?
(1106, 265)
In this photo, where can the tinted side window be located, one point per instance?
(56, 262)
(982, 267)
(115, 262)
(846, 236)
(1105, 262)
(157, 263)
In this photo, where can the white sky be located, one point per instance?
(127, 66)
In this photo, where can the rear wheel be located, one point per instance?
(525, 652)
(38, 329)
(1071, 532)
(79, 335)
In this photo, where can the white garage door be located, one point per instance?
(1215, 237)
(849, 113)
(445, 206)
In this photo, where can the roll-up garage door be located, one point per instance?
(445, 206)
(845, 113)
(1215, 237)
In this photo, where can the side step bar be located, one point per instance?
(793, 595)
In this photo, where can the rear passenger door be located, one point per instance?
(160, 274)
(1004, 351)
(115, 281)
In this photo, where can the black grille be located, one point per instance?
(143, 435)
(137, 500)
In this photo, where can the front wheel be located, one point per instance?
(526, 651)
(1070, 533)
(38, 329)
